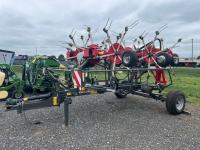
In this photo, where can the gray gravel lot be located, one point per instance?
(102, 122)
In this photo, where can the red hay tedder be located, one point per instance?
(143, 70)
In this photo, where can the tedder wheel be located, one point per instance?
(163, 59)
(175, 102)
(17, 95)
(175, 59)
(121, 93)
(129, 58)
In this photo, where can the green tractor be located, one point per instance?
(35, 76)
(34, 79)
(10, 84)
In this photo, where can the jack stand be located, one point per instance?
(66, 110)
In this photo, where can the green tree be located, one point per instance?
(53, 57)
(61, 57)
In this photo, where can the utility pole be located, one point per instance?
(36, 51)
(192, 49)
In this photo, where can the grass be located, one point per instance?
(184, 79)
(188, 81)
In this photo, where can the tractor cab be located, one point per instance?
(10, 84)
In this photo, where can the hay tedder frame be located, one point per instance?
(144, 70)
(88, 85)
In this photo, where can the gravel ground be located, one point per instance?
(102, 122)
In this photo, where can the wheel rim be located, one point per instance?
(161, 59)
(126, 59)
(180, 103)
(176, 61)
(122, 92)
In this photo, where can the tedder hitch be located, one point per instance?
(40, 101)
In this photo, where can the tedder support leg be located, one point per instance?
(66, 110)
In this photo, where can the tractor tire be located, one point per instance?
(28, 89)
(163, 59)
(175, 102)
(17, 95)
(129, 59)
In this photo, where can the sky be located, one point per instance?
(43, 26)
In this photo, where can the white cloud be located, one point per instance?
(27, 24)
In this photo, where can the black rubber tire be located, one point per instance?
(17, 97)
(133, 59)
(175, 59)
(120, 92)
(172, 100)
(28, 89)
(168, 60)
